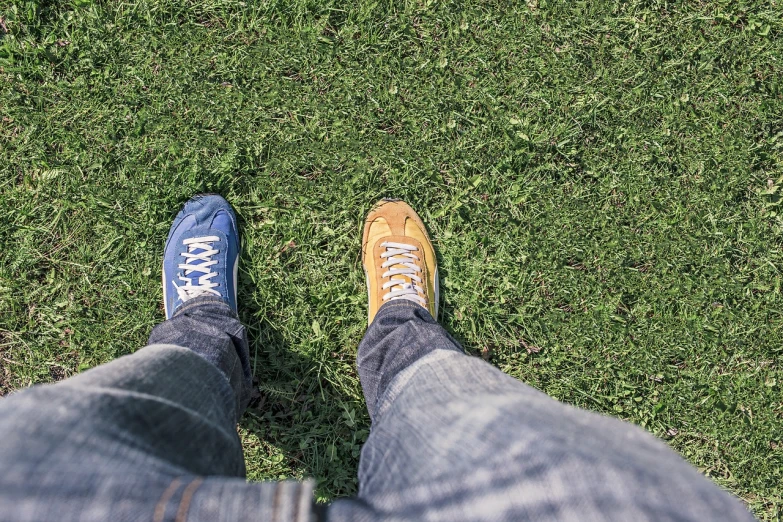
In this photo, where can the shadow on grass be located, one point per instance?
(305, 425)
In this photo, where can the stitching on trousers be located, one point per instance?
(187, 496)
(295, 514)
(276, 500)
(160, 508)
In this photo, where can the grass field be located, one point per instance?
(601, 179)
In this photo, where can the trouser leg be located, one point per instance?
(453, 438)
(149, 436)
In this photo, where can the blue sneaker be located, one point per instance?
(202, 254)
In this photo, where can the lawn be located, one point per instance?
(600, 178)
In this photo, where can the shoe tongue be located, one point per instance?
(197, 251)
(405, 277)
(195, 262)
(407, 285)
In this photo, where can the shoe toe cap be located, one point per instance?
(224, 222)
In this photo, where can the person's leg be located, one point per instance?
(453, 438)
(149, 436)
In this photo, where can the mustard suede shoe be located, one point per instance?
(398, 258)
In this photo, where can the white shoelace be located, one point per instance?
(401, 255)
(203, 284)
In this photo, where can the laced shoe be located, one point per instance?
(398, 258)
(202, 254)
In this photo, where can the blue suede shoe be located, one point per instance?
(202, 253)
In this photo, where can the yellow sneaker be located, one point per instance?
(398, 258)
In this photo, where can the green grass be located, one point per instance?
(601, 179)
